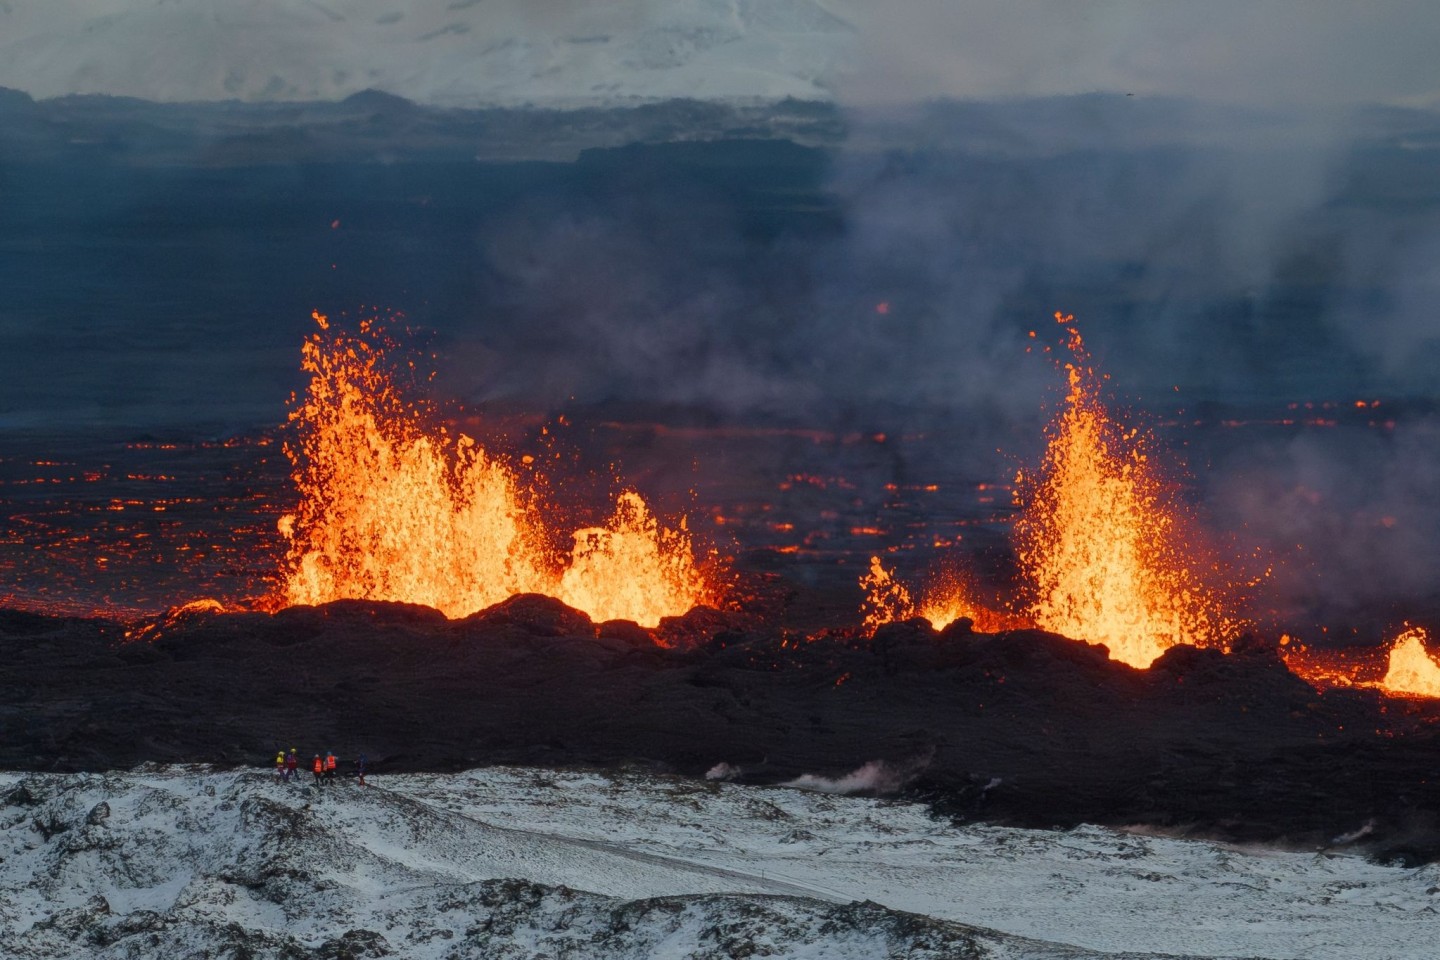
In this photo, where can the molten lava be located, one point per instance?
(1102, 546)
(1406, 670)
(152, 627)
(1412, 671)
(392, 511)
(887, 600)
(632, 568)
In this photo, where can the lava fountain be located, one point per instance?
(1102, 549)
(1105, 550)
(1406, 669)
(947, 599)
(1412, 671)
(391, 510)
(631, 568)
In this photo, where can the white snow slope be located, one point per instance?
(523, 863)
(440, 52)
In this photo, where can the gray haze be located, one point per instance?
(1236, 51)
(474, 52)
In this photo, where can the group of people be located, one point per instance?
(287, 767)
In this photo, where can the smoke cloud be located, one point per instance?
(877, 776)
(1213, 255)
(1347, 516)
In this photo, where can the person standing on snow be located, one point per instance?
(360, 769)
(292, 766)
(280, 767)
(330, 764)
(319, 767)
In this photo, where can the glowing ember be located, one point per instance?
(391, 511)
(1412, 672)
(1103, 548)
(887, 600)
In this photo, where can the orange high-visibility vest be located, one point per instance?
(330, 762)
(319, 765)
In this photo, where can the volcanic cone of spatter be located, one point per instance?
(1024, 727)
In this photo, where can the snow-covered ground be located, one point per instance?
(527, 863)
(442, 52)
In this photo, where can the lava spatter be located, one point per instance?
(945, 600)
(631, 568)
(1107, 553)
(1411, 671)
(393, 510)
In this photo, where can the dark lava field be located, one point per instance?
(1023, 728)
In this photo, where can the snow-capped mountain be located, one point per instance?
(441, 52)
(514, 863)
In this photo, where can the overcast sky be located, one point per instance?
(1244, 51)
(1254, 52)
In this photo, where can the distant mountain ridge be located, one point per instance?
(373, 126)
(440, 52)
(377, 125)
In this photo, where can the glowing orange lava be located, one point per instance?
(1406, 669)
(392, 511)
(631, 568)
(1103, 548)
(1412, 671)
(1325, 668)
(150, 628)
(887, 600)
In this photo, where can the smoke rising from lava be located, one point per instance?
(876, 776)
(1231, 253)
(1348, 516)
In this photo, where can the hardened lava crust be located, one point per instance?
(1024, 728)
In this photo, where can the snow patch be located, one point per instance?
(501, 52)
(523, 863)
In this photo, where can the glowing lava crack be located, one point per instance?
(391, 511)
